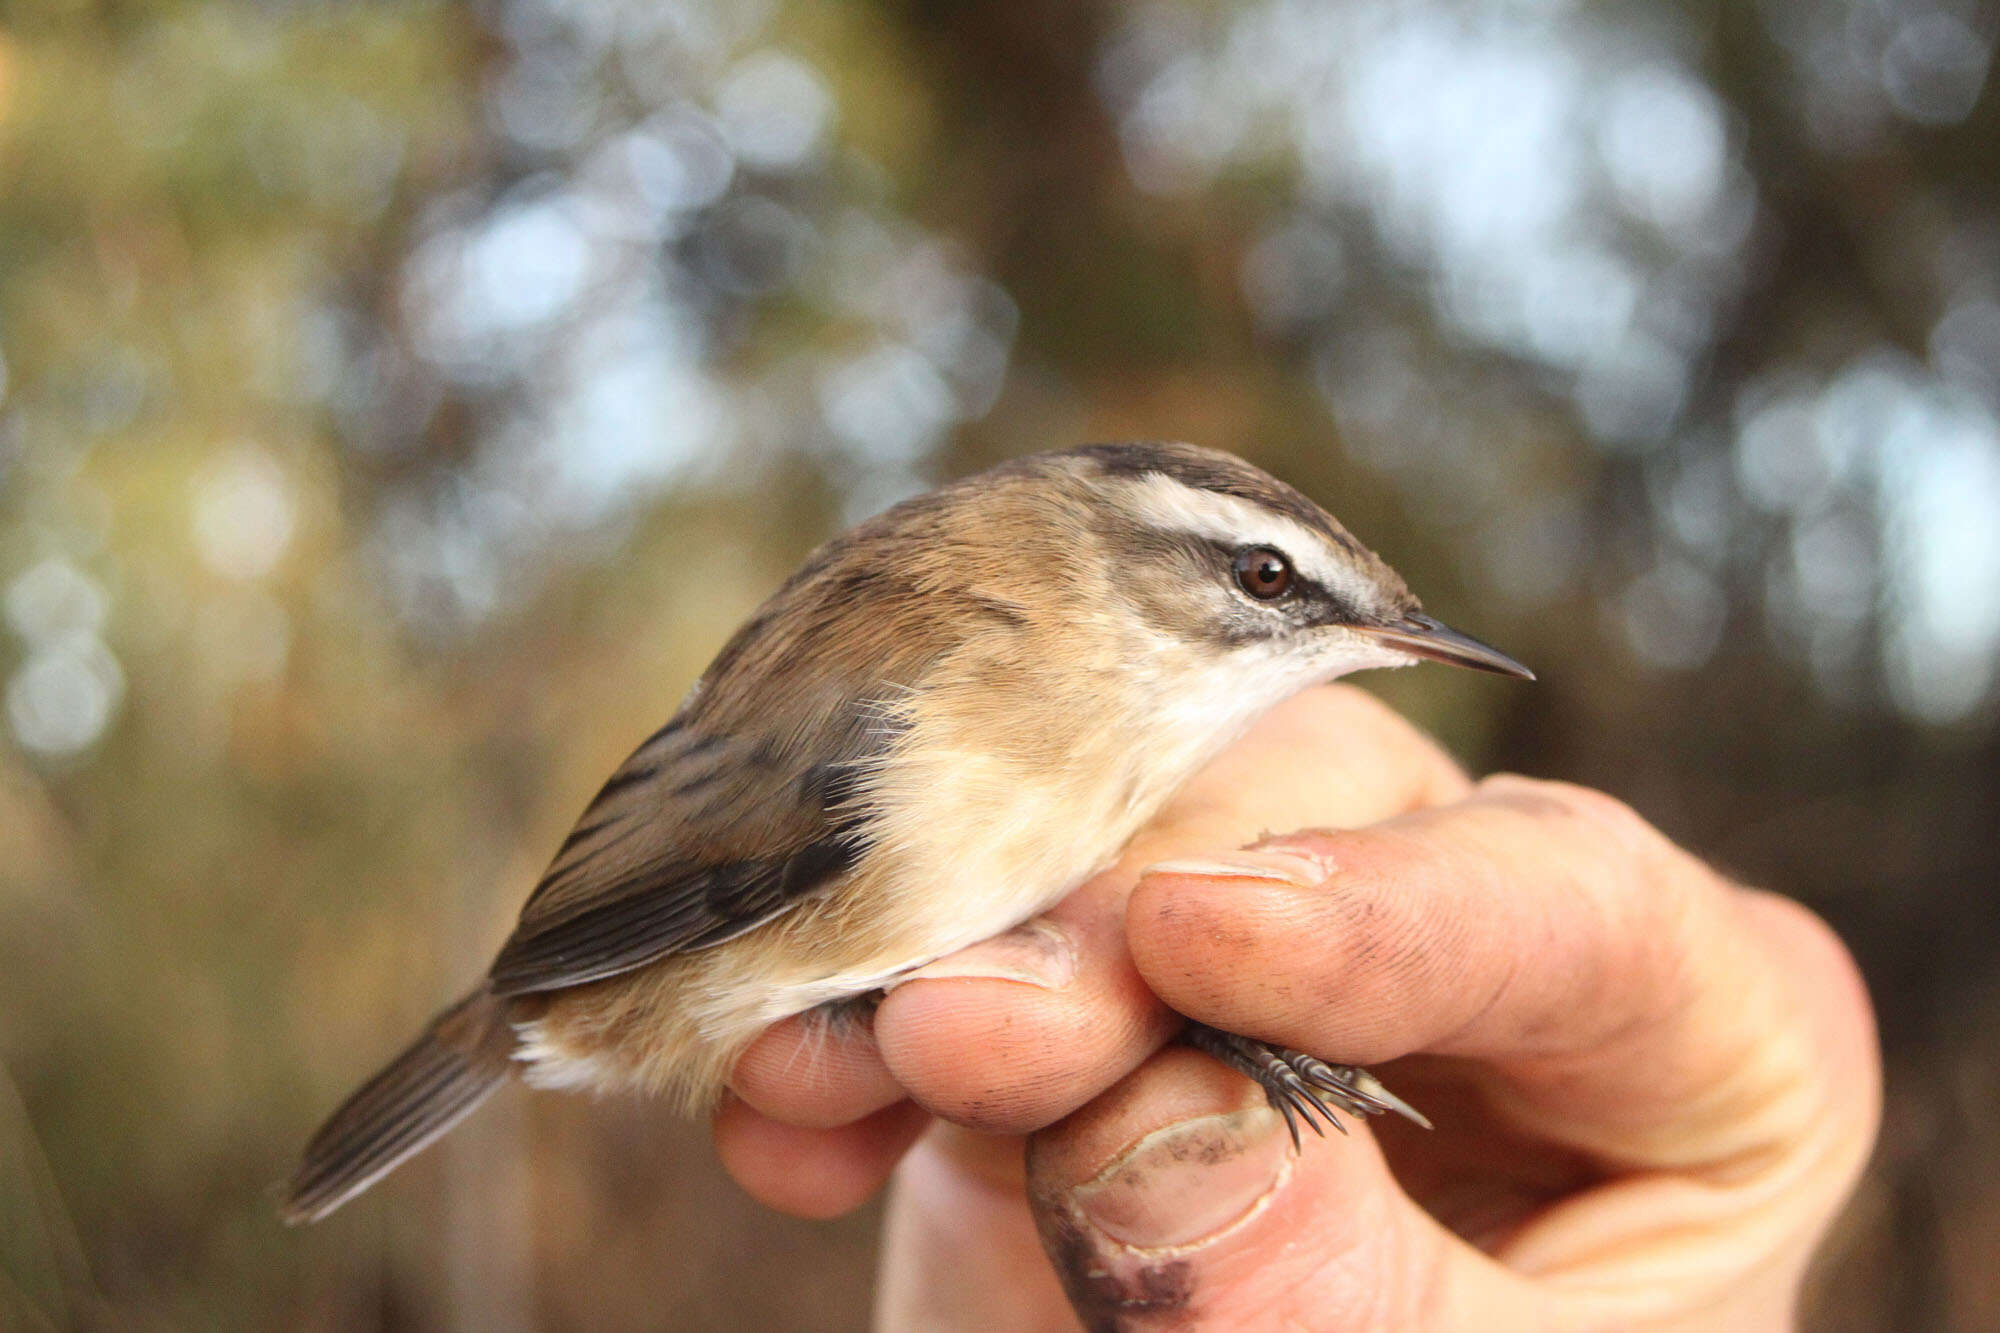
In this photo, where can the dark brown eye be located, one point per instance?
(1263, 573)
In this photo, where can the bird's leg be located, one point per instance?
(850, 1015)
(1299, 1085)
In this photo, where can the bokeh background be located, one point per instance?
(402, 400)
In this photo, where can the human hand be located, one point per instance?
(1653, 1089)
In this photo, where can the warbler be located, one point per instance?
(947, 719)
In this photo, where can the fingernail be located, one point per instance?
(1188, 1183)
(1273, 867)
(1039, 953)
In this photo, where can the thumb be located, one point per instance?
(1176, 1200)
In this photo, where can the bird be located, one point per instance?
(948, 718)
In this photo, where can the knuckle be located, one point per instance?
(1605, 809)
(1651, 888)
(1801, 933)
(1569, 801)
(1535, 796)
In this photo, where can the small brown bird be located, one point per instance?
(945, 721)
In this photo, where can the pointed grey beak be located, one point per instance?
(1422, 636)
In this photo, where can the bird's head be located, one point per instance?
(1208, 552)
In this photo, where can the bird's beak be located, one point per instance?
(1421, 636)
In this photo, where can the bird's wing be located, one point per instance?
(744, 804)
(698, 837)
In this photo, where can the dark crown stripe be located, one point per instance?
(1216, 473)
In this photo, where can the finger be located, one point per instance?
(1542, 928)
(1005, 1057)
(957, 1207)
(1178, 1197)
(816, 1173)
(815, 1073)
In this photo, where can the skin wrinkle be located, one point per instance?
(1726, 1232)
(1763, 1209)
(1765, 1075)
(1675, 994)
(1530, 1028)
(1674, 991)
(1484, 1010)
(1746, 1186)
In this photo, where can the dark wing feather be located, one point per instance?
(671, 909)
(461, 1058)
(695, 839)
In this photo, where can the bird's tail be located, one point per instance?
(455, 1065)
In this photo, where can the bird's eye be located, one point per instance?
(1263, 573)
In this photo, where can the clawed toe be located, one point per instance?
(1301, 1086)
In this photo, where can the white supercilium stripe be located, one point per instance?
(1174, 506)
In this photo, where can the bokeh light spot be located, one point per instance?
(244, 514)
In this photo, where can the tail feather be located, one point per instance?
(455, 1065)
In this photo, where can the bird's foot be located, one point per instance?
(852, 1015)
(1301, 1086)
